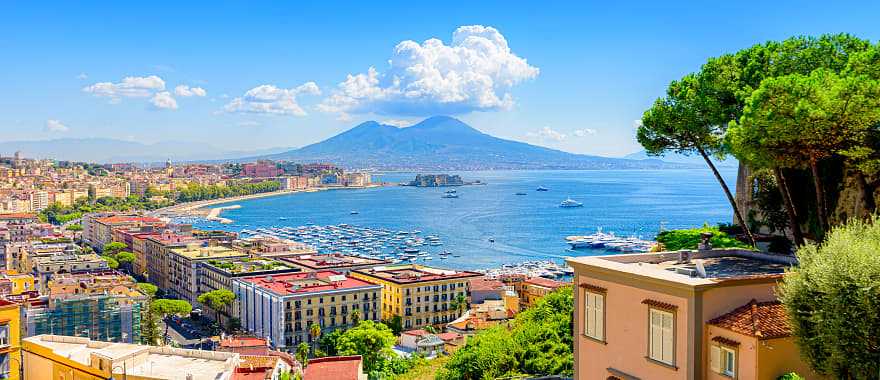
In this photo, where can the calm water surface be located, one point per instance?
(524, 227)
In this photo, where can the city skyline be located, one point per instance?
(569, 77)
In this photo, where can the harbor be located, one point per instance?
(396, 246)
(610, 242)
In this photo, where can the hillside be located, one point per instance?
(443, 142)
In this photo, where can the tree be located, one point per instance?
(833, 301)
(806, 119)
(150, 328)
(302, 354)
(218, 300)
(166, 307)
(355, 316)
(395, 323)
(74, 227)
(111, 261)
(690, 119)
(539, 342)
(315, 333)
(459, 303)
(148, 289)
(113, 248)
(371, 340)
(329, 341)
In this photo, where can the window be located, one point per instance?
(594, 315)
(4, 335)
(661, 340)
(722, 360)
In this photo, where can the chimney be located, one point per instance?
(684, 256)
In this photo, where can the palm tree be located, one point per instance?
(315, 332)
(459, 303)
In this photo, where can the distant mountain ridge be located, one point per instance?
(443, 142)
(106, 150)
(680, 158)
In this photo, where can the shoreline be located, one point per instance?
(200, 208)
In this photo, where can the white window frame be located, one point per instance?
(594, 315)
(661, 336)
(723, 360)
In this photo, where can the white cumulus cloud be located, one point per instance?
(397, 122)
(547, 133)
(164, 100)
(54, 125)
(187, 91)
(129, 87)
(269, 99)
(584, 132)
(472, 73)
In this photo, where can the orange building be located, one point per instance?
(680, 315)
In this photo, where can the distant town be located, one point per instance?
(90, 264)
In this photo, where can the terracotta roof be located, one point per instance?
(593, 288)
(243, 341)
(418, 332)
(334, 368)
(18, 216)
(541, 281)
(659, 304)
(449, 336)
(484, 284)
(764, 320)
(725, 341)
(250, 362)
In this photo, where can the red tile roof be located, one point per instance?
(449, 336)
(333, 368)
(243, 341)
(541, 281)
(484, 284)
(418, 332)
(764, 320)
(306, 282)
(18, 216)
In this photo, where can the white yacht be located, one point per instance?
(571, 203)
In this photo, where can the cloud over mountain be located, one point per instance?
(269, 99)
(473, 73)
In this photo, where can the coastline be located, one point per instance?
(201, 208)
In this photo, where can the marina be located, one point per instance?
(610, 242)
(396, 246)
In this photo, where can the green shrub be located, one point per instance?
(674, 240)
(833, 301)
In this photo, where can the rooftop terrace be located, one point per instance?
(413, 273)
(140, 360)
(316, 262)
(250, 265)
(197, 251)
(694, 267)
(308, 282)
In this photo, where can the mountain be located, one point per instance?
(103, 150)
(443, 142)
(683, 159)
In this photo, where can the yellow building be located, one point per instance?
(58, 357)
(12, 283)
(420, 295)
(10, 340)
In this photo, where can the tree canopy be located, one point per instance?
(371, 340)
(539, 342)
(833, 301)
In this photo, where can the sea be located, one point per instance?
(489, 225)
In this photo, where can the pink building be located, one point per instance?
(261, 169)
(668, 316)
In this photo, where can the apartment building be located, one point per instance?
(185, 263)
(99, 231)
(705, 314)
(535, 288)
(57, 357)
(45, 268)
(10, 340)
(284, 307)
(420, 295)
(17, 225)
(334, 261)
(219, 274)
(156, 252)
(105, 306)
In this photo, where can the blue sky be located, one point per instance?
(576, 77)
